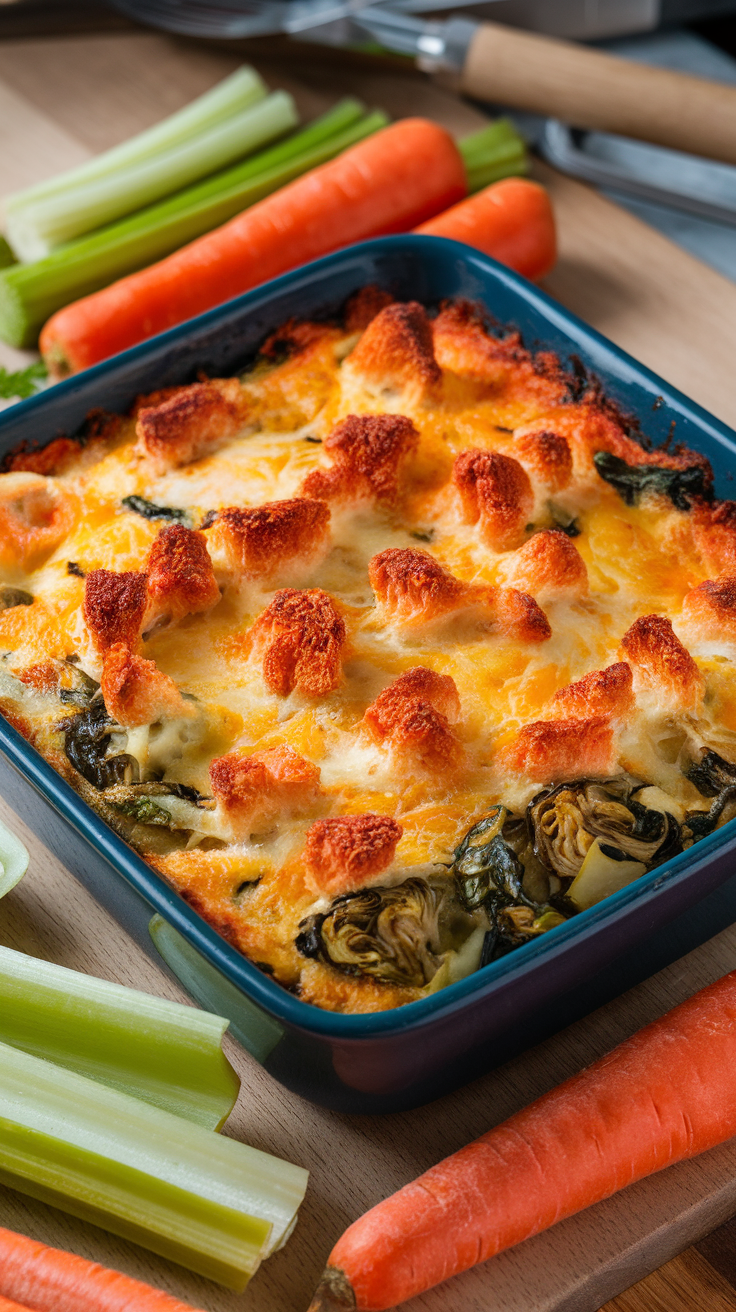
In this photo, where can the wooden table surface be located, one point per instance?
(62, 99)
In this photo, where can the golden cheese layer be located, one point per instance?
(295, 633)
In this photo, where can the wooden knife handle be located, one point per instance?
(589, 89)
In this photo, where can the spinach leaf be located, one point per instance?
(633, 481)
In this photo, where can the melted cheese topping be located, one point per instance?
(638, 559)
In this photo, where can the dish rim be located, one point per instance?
(163, 898)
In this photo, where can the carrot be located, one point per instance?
(666, 1094)
(512, 220)
(388, 183)
(49, 1280)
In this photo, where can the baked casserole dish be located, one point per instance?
(391, 655)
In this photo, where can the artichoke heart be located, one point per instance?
(604, 871)
(398, 934)
(566, 820)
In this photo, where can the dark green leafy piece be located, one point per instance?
(10, 597)
(149, 509)
(23, 382)
(86, 742)
(633, 481)
(711, 774)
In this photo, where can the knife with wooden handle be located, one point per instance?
(580, 85)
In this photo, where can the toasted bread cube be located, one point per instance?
(550, 751)
(192, 423)
(413, 716)
(347, 851)
(519, 616)
(257, 788)
(546, 456)
(364, 305)
(549, 566)
(114, 607)
(300, 637)
(496, 494)
(602, 692)
(137, 692)
(710, 609)
(397, 350)
(181, 580)
(660, 664)
(463, 346)
(35, 515)
(714, 535)
(368, 452)
(413, 588)
(263, 541)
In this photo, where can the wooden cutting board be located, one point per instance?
(61, 100)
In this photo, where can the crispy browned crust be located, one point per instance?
(181, 580)
(549, 750)
(710, 608)
(191, 424)
(549, 565)
(300, 636)
(547, 457)
(412, 587)
(413, 715)
(51, 459)
(258, 541)
(368, 452)
(396, 348)
(136, 691)
(714, 534)
(363, 307)
(294, 338)
(114, 607)
(602, 692)
(496, 494)
(659, 661)
(145, 400)
(347, 850)
(519, 616)
(277, 781)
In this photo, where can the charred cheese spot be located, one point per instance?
(661, 665)
(263, 541)
(710, 610)
(495, 493)
(300, 639)
(347, 851)
(549, 565)
(550, 750)
(546, 456)
(368, 453)
(136, 691)
(396, 350)
(192, 423)
(114, 607)
(602, 692)
(181, 580)
(35, 516)
(255, 789)
(413, 716)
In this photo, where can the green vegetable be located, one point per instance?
(207, 134)
(13, 860)
(6, 255)
(22, 383)
(207, 1202)
(30, 293)
(634, 481)
(496, 152)
(149, 509)
(163, 1052)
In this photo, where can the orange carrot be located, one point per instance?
(666, 1094)
(388, 183)
(512, 220)
(49, 1280)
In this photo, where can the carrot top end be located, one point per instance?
(334, 1293)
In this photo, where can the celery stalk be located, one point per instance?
(6, 255)
(242, 88)
(496, 151)
(13, 860)
(163, 1052)
(210, 1203)
(37, 227)
(30, 293)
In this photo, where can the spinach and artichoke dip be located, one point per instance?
(390, 655)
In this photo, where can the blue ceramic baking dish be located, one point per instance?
(403, 1057)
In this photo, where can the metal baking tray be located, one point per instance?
(403, 1057)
